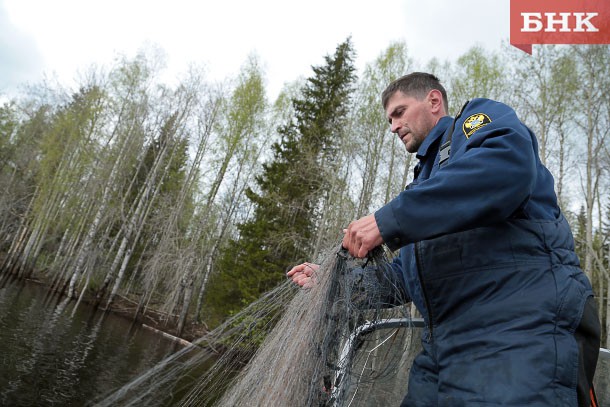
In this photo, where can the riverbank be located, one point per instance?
(157, 320)
(160, 322)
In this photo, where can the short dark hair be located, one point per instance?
(417, 85)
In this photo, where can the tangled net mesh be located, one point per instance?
(295, 347)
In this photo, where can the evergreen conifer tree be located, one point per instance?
(580, 234)
(289, 188)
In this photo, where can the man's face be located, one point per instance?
(411, 119)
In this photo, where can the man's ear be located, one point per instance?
(435, 98)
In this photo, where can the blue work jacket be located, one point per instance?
(488, 258)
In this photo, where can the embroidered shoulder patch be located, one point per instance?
(474, 123)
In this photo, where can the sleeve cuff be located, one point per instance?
(389, 228)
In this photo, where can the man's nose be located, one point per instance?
(395, 126)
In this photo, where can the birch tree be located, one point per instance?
(543, 90)
(18, 149)
(380, 157)
(238, 147)
(477, 73)
(593, 124)
(66, 144)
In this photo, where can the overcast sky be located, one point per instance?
(61, 37)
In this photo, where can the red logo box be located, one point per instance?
(559, 22)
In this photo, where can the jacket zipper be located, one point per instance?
(423, 287)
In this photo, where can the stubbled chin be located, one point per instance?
(409, 145)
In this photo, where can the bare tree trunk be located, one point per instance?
(249, 160)
(607, 311)
(151, 190)
(188, 293)
(607, 320)
(600, 294)
(562, 165)
(589, 199)
(102, 204)
(20, 237)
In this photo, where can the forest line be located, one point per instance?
(194, 199)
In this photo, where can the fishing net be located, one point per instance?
(343, 342)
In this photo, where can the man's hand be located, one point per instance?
(304, 274)
(362, 236)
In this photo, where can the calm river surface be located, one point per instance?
(54, 355)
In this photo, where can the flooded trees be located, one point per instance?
(192, 199)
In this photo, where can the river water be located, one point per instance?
(52, 354)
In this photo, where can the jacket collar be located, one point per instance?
(435, 134)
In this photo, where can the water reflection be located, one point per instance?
(50, 358)
(52, 354)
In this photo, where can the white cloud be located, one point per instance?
(288, 37)
(448, 29)
(20, 60)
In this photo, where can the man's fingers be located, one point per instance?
(352, 240)
(303, 274)
(296, 269)
(361, 236)
(299, 279)
(303, 281)
(362, 252)
(309, 268)
(349, 239)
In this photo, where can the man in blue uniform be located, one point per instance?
(485, 255)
